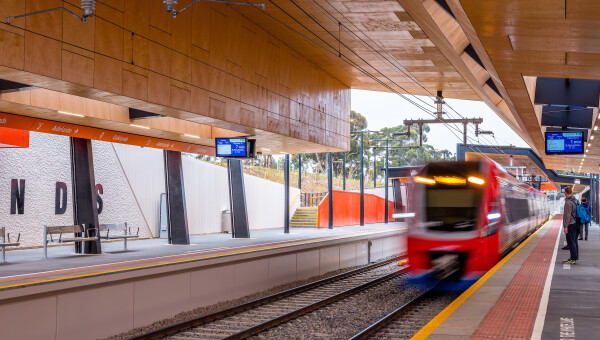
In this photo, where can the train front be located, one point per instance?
(453, 237)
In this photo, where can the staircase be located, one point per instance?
(305, 217)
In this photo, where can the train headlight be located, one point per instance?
(424, 180)
(493, 216)
(475, 180)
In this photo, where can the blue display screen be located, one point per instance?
(564, 142)
(231, 147)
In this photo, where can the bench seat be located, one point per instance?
(72, 230)
(5, 242)
(116, 231)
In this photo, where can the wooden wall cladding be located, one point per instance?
(210, 61)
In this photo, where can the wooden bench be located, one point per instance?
(116, 231)
(5, 242)
(76, 234)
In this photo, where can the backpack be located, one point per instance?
(583, 215)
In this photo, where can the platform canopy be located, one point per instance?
(283, 75)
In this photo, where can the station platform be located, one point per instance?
(530, 294)
(26, 267)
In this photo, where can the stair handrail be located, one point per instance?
(294, 200)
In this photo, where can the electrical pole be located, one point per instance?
(330, 188)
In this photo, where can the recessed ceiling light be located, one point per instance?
(139, 126)
(265, 149)
(70, 114)
(592, 137)
(283, 153)
(596, 127)
(191, 136)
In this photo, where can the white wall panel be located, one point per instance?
(133, 180)
(144, 171)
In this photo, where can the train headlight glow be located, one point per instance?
(450, 180)
(475, 180)
(403, 215)
(493, 216)
(424, 180)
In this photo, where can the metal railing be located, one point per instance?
(311, 199)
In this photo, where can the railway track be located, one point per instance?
(407, 319)
(256, 316)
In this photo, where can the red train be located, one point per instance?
(467, 216)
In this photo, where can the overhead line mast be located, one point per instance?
(439, 101)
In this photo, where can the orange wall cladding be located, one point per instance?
(346, 209)
(209, 61)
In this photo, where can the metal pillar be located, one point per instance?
(176, 208)
(237, 199)
(344, 173)
(300, 171)
(85, 205)
(387, 154)
(330, 187)
(374, 168)
(362, 180)
(286, 184)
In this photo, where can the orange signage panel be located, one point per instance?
(57, 128)
(14, 138)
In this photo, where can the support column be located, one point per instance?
(330, 187)
(362, 180)
(386, 180)
(286, 185)
(344, 173)
(85, 208)
(176, 208)
(374, 167)
(237, 199)
(300, 171)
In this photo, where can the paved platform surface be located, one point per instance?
(530, 294)
(28, 267)
(574, 302)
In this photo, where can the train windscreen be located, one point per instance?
(455, 209)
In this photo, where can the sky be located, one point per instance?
(388, 109)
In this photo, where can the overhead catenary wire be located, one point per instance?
(393, 62)
(332, 50)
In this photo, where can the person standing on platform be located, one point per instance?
(584, 226)
(570, 225)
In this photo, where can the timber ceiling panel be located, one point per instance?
(379, 37)
(540, 38)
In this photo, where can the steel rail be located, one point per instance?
(199, 321)
(309, 308)
(383, 322)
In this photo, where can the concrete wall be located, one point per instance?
(129, 300)
(133, 179)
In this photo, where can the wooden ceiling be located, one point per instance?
(539, 38)
(371, 45)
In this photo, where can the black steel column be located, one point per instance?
(85, 205)
(374, 168)
(237, 199)
(386, 180)
(300, 171)
(286, 184)
(176, 210)
(362, 180)
(330, 187)
(344, 173)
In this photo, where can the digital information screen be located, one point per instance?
(564, 143)
(231, 147)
